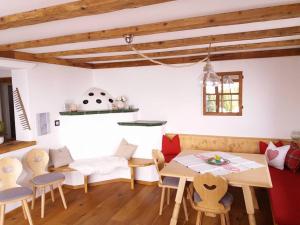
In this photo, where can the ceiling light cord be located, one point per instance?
(129, 39)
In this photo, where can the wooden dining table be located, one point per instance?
(247, 180)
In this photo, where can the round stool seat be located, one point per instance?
(48, 178)
(15, 193)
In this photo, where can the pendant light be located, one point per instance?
(210, 77)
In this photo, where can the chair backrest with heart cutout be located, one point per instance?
(159, 161)
(211, 190)
(37, 160)
(10, 170)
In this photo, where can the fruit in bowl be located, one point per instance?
(217, 160)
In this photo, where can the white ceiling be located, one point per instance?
(143, 15)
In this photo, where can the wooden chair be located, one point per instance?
(166, 183)
(211, 197)
(10, 191)
(37, 161)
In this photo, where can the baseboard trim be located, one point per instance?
(149, 183)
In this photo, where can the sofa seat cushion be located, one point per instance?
(48, 178)
(15, 193)
(171, 181)
(226, 200)
(285, 196)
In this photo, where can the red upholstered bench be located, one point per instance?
(285, 196)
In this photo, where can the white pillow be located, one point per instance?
(276, 155)
(125, 150)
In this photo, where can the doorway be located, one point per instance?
(7, 114)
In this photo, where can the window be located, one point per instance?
(224, 100)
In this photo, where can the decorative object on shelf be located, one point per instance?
(43, 123)
(96, 99)
(295, 135)
(20, 110)
(70, 107)
(210, 78)
(121, 102)
(2, 132)
(217, 161)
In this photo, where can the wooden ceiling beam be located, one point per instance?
(70, 10)
(237, 47)
(213, 57)
(32, 57)
(249, 35)
(222, 19)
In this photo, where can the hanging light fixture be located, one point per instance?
(210, 77)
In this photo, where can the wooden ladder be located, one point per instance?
(21, 110)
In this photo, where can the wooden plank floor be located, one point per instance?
(116, 204)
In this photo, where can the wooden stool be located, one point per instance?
(37, 161)
(10, 191)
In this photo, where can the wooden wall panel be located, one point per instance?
(222, 143)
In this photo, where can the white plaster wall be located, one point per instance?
(271, 96)
(46, 88)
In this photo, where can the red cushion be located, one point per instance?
(285, 196)
(168, 158)
(170, 146)
(292, 159)
(263, 146)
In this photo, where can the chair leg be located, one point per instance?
(227, 218)
(185, 209)
(223, 221)
(33, 196)
(162, 201)
(199, 218)
(42, 202)
(168, 197)
(27, 211)
(62, 196)
(52, 193)
(24, 212)
(2, 214)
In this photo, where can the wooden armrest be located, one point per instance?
(61, 169)
(139, 162)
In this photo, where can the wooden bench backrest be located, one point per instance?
(222, 143)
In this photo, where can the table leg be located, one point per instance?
(178, 200)
(86, 181)
(249, 204)
(131, 178)
(255, 203)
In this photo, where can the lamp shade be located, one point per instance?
(210, 77)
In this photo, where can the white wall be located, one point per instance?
(46, 88)
(271, 96)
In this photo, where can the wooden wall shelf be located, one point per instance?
(97, 112)
(15, 145)
(143, 123)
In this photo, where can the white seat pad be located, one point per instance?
(101, 165)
